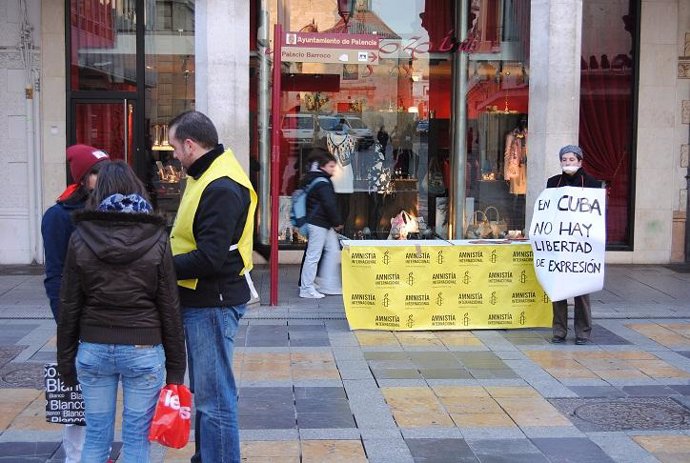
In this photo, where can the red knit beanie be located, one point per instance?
(82, 158)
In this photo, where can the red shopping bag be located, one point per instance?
(172, 419)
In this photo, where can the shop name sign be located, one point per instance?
(307, 47)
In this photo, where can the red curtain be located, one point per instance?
(605, 137)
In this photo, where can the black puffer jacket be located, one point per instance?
(322, 204)
(119, 287)
(579, 178)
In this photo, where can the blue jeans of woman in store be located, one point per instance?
(210, 334)
(99, 368)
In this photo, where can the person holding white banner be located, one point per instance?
(573, 175)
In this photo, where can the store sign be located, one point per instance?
(307, 47)
(568, 238)
(436, 285)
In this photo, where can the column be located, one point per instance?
(554, 89)
(222, 70)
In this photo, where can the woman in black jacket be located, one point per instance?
(119, 313)
(573, 175)
(323, 219)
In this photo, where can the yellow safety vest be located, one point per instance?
(182, 238)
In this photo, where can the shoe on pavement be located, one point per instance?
(310, 294)
(557, 340)
(331, 292)
(581, 341)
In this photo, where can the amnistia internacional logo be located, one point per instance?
(470, 257)
(520, 256)
(385, 279)
(444, 279)
(418, 258)
(440, 257)
(363, 300)
(504, 277)
(446, 319)
(363, 258)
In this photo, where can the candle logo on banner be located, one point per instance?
(466, 319)
(494, 256)
(439, 299)
(568, 238)
(410, 279)
(439, 257)
(386, 300)
(466, 279)
(386, 257)
(523, 318)
(410, 321)
(523, 277)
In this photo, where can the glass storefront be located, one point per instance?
(131, 70)
(389, 121)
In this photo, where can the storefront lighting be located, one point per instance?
(413, 109)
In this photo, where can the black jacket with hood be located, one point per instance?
(322, 203)
(119, 287)
(579, 178)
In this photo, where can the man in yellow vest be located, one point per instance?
(211, 242)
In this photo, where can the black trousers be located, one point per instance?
(583, 317)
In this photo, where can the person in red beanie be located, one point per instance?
(56, 229)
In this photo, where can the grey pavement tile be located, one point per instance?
(402, 382)
(271, 383)
(492, 433)
(317, 383)
(268, 394)
(325, 420)
(584, 382)
(454, 382)
(384, 355)
(604, 337)
(44, 357)
(319, 393)
(435, 356)
(648, 391)
(391, 365)
(621, 448)
(552, 432)
(503, 373)
(502, 446)
(431, 433)
(24, 435)
(566, 450)
(22, 451)
(251, 420)
(682, 389)
(12, 334)
(387, 450)
(440, 451)
(511, 355)
(446, 374)
(597, 391)
(513, 458)
(329, 434)
(396, 374)
(380, 433)
(248, 435)
(348, 353)
(309, 342)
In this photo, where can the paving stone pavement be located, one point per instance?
(311, 390)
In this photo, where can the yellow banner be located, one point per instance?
(460, 287)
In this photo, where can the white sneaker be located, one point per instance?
(331, 292)
(310, 294)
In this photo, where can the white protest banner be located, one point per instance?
(568, 238)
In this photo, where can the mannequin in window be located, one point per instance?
(515, 158)
(342, 145)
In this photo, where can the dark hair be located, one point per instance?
(116, 177)
(195, 126)
(320, 156)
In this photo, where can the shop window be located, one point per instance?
(497, 119)
(606, 107)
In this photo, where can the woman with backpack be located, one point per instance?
(323, 221)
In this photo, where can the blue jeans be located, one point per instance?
(210, 334)
(99, 369)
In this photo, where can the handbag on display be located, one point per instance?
(479, 227)
(499, 227)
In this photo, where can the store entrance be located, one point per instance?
(105, 124)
